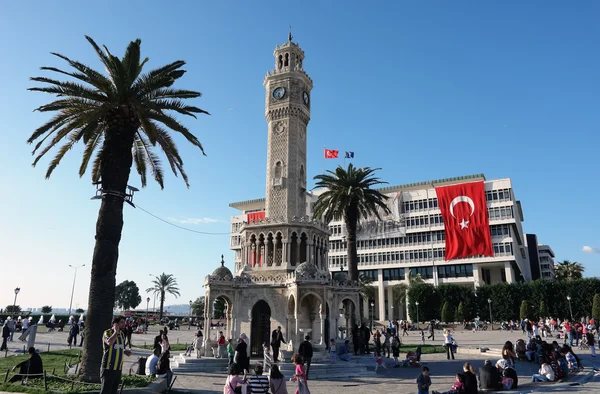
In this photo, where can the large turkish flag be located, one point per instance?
(466, 222)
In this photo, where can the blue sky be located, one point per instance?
(424, 90)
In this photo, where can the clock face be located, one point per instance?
(279, 92)
(306, 98)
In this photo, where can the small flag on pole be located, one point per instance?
(331, 154)
(349, 155)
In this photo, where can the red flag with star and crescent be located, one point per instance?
(466, 221)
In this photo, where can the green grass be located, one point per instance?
(425, 349)
(52, 361)
(56, 361)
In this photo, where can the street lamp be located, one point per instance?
(570, 309)
(372, 313)
(417, 304)
(190, 319)
(147, 304)
(491, 318)
(17, 290)
(154, 302)
(73, 289)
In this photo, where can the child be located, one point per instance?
(396, 350)
(230, 351)
(422, 337)
(457, 387)
(267, 357)
(332, 350)
(379, 361)
(423, 381)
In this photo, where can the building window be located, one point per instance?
(455, 271)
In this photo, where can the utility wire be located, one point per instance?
(175, 225)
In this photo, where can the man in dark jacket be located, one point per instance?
(489, 377)
(31, 366)
(5, 335)
(306, 351)
(276, 339)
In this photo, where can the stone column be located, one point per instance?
(284, 252)
(309, 249)
(267, 250)
(381, 295)
(322, 329)
(391, 305)
(510, 273)
(477, 275)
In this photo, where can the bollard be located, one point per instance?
(178, 341)
(5, 352)
(48, 347)
(24, 352)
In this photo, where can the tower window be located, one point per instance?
(280, 62)
(287, 60)
(278, 170)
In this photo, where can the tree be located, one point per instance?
(162, 285)
(198, 306)
(447, 313)
(543, 309)
(524, 310)
(219, 308)
(120, 118)
(46, 309)
(565, 270)
(459, 316)
(349, 196)
(79, 310)
(13, 309)
(596, 307)
(127, 295)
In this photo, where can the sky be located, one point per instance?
(422, 90)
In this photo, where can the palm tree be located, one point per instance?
(400, 290)
(164, 284)
(565, 270)
(120, 118)
(349, 196)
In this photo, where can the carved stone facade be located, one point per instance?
(282, 278)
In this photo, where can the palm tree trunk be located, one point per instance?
(115, 167)
(162, 304)
(350, 219)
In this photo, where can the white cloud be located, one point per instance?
(195, 220)
(590, 250)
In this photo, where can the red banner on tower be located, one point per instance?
(331, 154)
(466, 222)
(255, 216)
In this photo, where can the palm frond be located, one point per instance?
(88, 152)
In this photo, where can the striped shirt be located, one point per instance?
(113, 355)
(259, 384)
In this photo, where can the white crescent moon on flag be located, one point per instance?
(460, 199)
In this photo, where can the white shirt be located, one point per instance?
(151, 364)
(25, 324)
(547, 371)
(448, 338)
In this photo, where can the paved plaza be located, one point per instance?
(398, 380)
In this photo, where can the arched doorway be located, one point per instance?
(261, 328)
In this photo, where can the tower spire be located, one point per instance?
(290, 34)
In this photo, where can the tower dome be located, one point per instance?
(307, 269)
(222, 272)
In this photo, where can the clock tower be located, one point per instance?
(287, 110)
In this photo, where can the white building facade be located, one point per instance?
(546, 255)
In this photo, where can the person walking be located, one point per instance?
(11, 326)
(448, 344)
(423, 381)
(306, 351)
(113, 342)
(431, 331)
(73, 332)
(5, 335)
(276, 340)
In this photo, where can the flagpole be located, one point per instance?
(344, 159)
(323, 161)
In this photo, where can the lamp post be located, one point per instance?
(190, 319)
(338, 324)
(372, 313)
(17, 290)
(570, 309)
(491, 318)
(153, 302)
(147, 304)
(73, 288)
(417, 304)
(392, 317)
